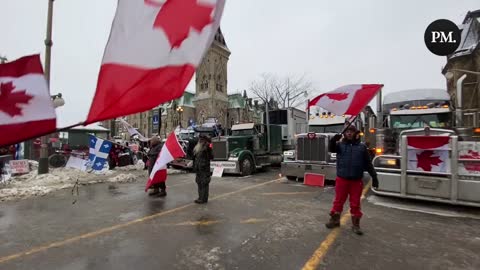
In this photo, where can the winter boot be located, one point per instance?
(155, 191)
(334, 221)
(162, 193)
(356, 225)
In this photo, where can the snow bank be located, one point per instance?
(32, 184)
(137, 167)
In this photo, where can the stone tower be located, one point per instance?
(211, 98)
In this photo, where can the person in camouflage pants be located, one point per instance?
(202, 156)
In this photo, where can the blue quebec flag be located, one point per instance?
(98, 154)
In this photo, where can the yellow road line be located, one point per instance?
(120, 226)
(286, 193)
(322, 250)
(253, 220)
(198, 223)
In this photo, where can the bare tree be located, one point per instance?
(288, 91)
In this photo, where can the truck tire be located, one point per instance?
(246, 166)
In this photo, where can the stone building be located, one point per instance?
(210, 100)
(464, 60)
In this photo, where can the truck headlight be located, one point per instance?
(333, 155)
(234, 154)
(388, 162)
(288, 154)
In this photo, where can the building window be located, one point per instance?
(219, 87)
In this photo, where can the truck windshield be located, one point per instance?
(337, 128)
(439, 120)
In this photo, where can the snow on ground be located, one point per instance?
(32, 184)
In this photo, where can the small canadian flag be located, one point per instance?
(170, 151)
(26, 109)
(428, 153)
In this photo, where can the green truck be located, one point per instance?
(249, 147)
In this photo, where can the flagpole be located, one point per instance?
(43, 161)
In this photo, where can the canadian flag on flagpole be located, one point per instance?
(152, 53)
(348, 99)
(170, 151)
(26, 109)
(428, 153)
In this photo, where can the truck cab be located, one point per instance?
(249, 147)
(412, 109)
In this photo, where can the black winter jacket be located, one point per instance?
(352, 159)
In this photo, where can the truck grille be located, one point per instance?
(312, 149)
(220, 150)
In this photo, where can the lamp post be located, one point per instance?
(180, 111)
(3, 59)
(43, 161)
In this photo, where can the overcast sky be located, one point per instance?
(332, 42)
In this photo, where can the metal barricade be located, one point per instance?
(454, 186)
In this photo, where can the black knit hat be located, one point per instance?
(352, 128)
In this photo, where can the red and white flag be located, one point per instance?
(348, 99)
(152, 53)
(428, 153)
(170, 151)
(26, 109)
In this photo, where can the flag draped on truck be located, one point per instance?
(428, 153)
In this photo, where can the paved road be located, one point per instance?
(259, 222)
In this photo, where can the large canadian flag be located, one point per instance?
(428, 153)
(26, 109)
(170, 151)
(152, 53)
(349, 99)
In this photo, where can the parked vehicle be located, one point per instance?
(311, 152)
(452, 177)
(249, 147)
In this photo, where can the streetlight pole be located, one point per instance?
(43, 161)
(3, 59)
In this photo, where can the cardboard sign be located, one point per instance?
(77, 163)
(218, 171)
(19, 166)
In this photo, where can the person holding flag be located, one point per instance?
(159, 159)
(155, 148)
(353, 158)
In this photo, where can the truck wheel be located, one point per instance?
(246, 166)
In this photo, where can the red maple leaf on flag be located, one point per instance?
(426, 159)
(337, 96)
(9, 101)
(176, 17)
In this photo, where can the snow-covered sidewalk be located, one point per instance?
(32, 184)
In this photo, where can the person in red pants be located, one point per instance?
(352, 160)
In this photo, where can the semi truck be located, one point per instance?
(311, 152)
(250, 147)
(448, 172)
(292, 121)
